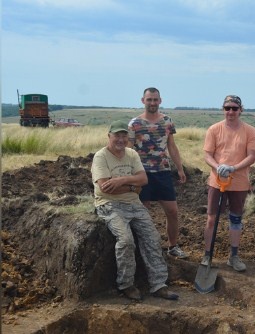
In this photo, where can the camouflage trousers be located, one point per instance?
(120, 219)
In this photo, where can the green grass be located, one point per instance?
(30, 144)
(11, 145)
(86, 205)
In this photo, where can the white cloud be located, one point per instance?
(204, 5)
(135, 51)
(220, 8)
(72, 3)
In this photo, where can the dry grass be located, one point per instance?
(190, 142)
(249, 207)
(48, 144)
(51, 143)
(81, 141)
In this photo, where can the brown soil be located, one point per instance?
(33, 304)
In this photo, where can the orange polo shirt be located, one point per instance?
(230, 147)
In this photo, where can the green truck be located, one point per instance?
(34, 110)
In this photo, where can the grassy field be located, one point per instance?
(181, 118)
(23, 146)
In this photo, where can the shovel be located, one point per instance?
(206, 275)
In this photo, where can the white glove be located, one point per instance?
(225, 170)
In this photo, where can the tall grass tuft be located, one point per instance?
(11, 145)
(249, 206)
(33, 144)
(192, 133)
(24, 142)
(190, 143)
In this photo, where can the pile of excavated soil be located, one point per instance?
(62, 182)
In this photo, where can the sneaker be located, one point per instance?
(165, 293)
(205, 260)
(132, 293)
(236, 263)
(177, 252)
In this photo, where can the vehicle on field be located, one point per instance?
(33, 110)
(66, 122)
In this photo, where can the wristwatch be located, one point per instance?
(132, 188)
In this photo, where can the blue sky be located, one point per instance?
(106, 52)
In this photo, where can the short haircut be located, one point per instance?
(151, 90)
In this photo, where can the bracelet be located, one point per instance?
(132, 188)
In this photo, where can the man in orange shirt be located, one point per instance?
(229, 149)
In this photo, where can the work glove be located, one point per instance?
(225, 170)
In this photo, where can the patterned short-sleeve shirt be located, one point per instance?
(150, 142)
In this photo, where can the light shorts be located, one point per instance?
(234, 200)
(159, 188)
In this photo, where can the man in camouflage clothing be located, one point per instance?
(151, 134)
(118, 174)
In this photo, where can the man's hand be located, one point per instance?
(182, 176)
(111, 185)
(138, 190)
(225, 170)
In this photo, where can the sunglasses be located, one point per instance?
(229, 108)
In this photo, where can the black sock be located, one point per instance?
(234, 251)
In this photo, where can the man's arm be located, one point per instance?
(122, 184)
(175, 155)
(131, 135)
(248, 161)
(209, 159)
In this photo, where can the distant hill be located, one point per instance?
(9, 110)
(12, 110)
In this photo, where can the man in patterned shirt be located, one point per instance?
(151, 135)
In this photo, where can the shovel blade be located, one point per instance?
(205, 278)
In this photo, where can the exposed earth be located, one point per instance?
(35, 300)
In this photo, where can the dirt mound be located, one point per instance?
(31, 198)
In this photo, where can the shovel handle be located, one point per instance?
(224, 184)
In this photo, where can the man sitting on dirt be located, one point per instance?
(229, 150)
(118, 174)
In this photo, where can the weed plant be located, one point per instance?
(86, 205)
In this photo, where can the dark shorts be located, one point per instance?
(159, 188)
(234, 200)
